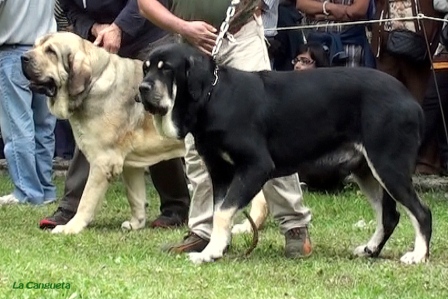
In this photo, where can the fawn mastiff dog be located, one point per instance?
(253, 126)
(96, 92)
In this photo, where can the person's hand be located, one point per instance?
(96, 28)
(200, 35)
(322, 17)
(109, 38)
(338, 11)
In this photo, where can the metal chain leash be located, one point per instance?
(222, 32)
(224, 27)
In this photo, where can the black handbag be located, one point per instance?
(406, 43)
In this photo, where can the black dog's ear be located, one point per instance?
(197, 73)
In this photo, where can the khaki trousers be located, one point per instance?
(284, 195)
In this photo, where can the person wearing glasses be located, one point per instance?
(309, 56)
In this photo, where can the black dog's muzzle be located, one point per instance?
(150, 103)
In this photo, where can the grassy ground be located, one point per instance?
(104, 262)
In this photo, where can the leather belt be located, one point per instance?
(235, 30)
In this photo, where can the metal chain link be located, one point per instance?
(224, 27)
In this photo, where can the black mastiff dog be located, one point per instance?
(253, 126)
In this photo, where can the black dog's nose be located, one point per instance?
(145, 87)
(25, 58)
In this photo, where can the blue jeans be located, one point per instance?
(27, 129)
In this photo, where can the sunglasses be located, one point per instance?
(302, 60)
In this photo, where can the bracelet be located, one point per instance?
(323, 8)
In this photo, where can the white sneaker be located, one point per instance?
(8, 200)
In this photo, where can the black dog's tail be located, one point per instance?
(255, 233)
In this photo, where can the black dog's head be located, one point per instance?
(177, 78)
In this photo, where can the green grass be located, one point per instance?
(105, 262)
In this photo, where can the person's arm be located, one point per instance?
(158, 14)
(81, 22)
(200, 34)
(338, 12)
(129, 20)
(358, 10)
(310, 7)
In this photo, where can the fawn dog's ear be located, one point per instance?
(79, 73)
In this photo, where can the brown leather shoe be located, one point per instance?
(297, 243)
(190, 243)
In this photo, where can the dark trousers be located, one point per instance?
(413, 76)
(65, 142)
(434, 127)
(168, 178)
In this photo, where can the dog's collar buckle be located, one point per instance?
(215, 73)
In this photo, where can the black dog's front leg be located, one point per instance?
(221, 174)
(245, 184)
